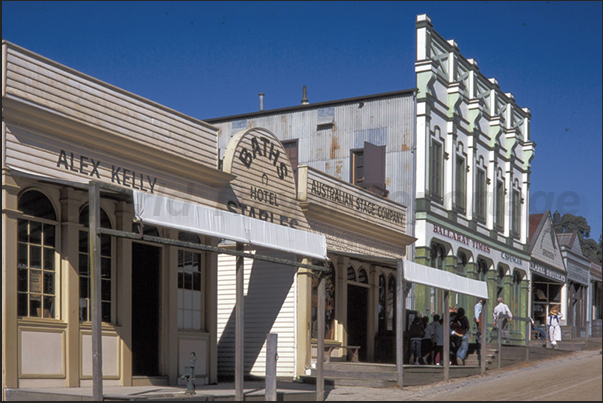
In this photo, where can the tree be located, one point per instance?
(569, 223)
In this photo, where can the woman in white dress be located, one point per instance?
(554, 326)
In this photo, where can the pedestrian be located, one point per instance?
(554, 327)
(502, 317)
(477, 318)
(415, 334)
(426, 344)
(460, 332)
(436, 331)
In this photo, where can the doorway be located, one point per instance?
(146, 264)
(358, 318)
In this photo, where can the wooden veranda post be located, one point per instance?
(400, 316)
(240, 331)
(94, 245)
(484, 328)
(320, 339)
(446, 350)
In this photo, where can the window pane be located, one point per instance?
(106, 312)
(83, 310)
(362, 277)
(188, 281)
(83, 242)
(351, 274)
(35, 306)
(83, 265)
(35, 232)
(48, 283)
(23, 230)
(106, 290)
(36, 204)
(197, 281)
(106, 268)
(22, 304)
(48, 259)
(180, 280)
(83, 287)
(49, 307)
(35, 257)
(22, 279)
(49, 235)
(35, 281)
(105, 245)
(22, 255)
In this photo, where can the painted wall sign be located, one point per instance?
(547, 272)
(356, 203)
(460, 238)
(87, 166)
(510, 258)
(264, 187)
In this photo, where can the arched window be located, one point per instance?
(191, 300)
(351, 274)
(36, 257)
(362, 276)
(437, 254)
(482, 269)
(106, 268)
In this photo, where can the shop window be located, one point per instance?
(329, 304)
(368, 168)
(292, 150)
(37, 280)
(191, 306)
(106, 269)
(461, 183)
(482, 269)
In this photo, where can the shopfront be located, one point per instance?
(549, 275)
(470, 255)
(163, 208)
(576, 296)
(359, 227)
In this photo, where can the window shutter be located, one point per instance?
(374, 165)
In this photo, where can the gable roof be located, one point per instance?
(536, 223)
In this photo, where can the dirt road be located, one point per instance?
(576, 376)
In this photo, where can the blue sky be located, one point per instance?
(211, 59)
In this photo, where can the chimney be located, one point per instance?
(305, 96)
(261, 94)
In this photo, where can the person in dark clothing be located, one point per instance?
(415, 334)
(461, 331)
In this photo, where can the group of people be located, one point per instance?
(427, 339)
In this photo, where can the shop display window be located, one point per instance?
(191, 306)
(106, 249)
(37, 280)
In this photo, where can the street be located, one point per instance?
(576, 376)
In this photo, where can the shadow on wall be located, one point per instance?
(269, 285)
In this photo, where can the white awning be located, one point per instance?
(420, 274)
(163, 211)
(425, 275)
